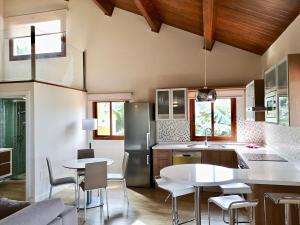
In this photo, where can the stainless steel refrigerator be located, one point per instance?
(139, 138)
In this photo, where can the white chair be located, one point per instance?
(121, 176)
(235, 189)
(95, 179)
(232, 203)
(175, 190)
(286, 199)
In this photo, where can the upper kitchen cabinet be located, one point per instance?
(171, 104)
(282, 100)
(255, 101)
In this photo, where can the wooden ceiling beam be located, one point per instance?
(147, 8)
(209, 18)
(106, 6)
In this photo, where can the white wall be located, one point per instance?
(58, 113)
(284, 139)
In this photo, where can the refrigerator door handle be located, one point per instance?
(147, 137)
(148, 160)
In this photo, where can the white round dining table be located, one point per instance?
(199, 175)
(80, 164)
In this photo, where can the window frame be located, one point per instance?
(233, 136)
(95, 115)
(63, 53)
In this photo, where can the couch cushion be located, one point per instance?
(8, 207)
(41, 213)
(56, 221)
(69, 216)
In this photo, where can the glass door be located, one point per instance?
(282, 92)
(163, 104)
(179, 103)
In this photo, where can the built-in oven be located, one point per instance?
(271, 107)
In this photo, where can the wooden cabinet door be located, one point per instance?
(220, 158)
(161, 159)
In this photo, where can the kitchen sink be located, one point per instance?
(213, 146)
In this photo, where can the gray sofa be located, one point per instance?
(48, 212)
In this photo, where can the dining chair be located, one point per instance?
(84, 154)
(121, 176)
(176, 190)
(286, 199)
(95, 179)
(59, 181)
(232, 204)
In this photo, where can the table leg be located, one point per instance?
(198, 205)
(89, 197)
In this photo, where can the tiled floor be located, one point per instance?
(147, 207)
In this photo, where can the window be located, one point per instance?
(110, 117)
(50, 42)
(219, 116)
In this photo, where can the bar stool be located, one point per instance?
(232, 203)
(175, 190)
(287, 200)
(235, 189)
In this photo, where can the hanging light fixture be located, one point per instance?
(206, 94)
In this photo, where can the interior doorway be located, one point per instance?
(13, 140)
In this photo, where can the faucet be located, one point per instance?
(205, 131)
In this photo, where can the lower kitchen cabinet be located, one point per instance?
(161, 159)
(220, 158)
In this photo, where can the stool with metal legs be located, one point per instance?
(235, 189)
(176, 190)
(285, 199)
(232, 203)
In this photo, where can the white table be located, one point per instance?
(80, 164)
(198, 175)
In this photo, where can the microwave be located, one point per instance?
(271, 104)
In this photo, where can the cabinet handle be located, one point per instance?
(147, 137)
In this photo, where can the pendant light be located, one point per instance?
(206, 94)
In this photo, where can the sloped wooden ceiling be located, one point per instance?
(252, 25)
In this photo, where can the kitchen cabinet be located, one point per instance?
(220, 158)
(5, 163)
(255, 101)
(161, 159)
(282, 96)
(171, 104)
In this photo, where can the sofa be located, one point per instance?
(47, 212)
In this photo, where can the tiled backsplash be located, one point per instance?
(179, 131)
(285, 140)
(173, 131)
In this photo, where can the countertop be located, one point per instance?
(259, 172)
(5, 149)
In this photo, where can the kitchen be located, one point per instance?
(202, 95)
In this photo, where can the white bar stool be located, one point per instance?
(235, 189)
(232, 203)
(287, 199)
(175, 190)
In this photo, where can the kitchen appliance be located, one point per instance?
(271, 106)
(139, 124)
(186, 157)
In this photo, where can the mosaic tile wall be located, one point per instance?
(285, 140)
(179, 131)
(172, 131)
